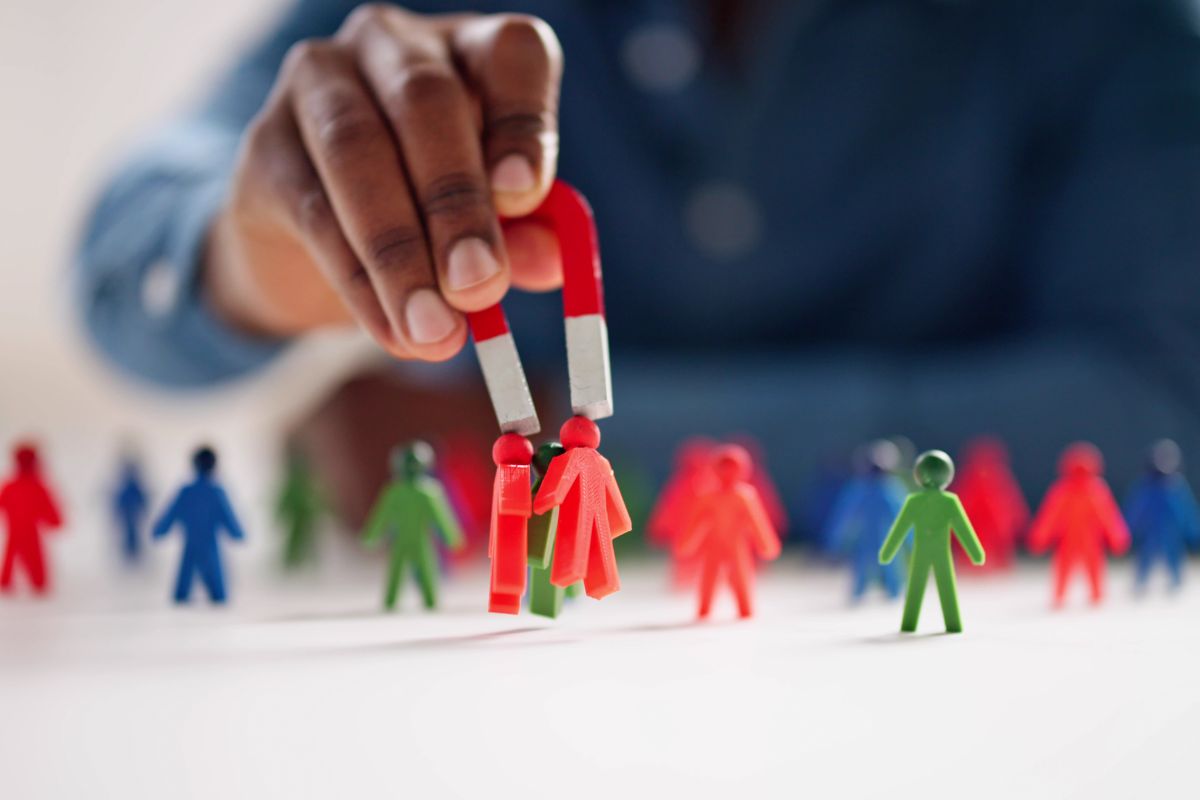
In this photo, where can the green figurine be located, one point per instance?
(934, 513)
(409, 508)
(545, 599)
(299, 510)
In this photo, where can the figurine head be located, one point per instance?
(1080, 460)
(987, 450)
(412, 460)
(205, 461)
(731, 464)
(25, 456)
(512, 448)
(545, 454)
(1165, 457)
(580, 432)
(877, 457)
(934, 469)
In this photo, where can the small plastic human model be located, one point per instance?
(299, 510)
(130, 505)
(30, 508)
(1162, 515)
(993, 501)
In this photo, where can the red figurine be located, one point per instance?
(29, 506)
(591, 513)
(727, 527)
(1079, 517)
(993, 502)
(512, 506)
(580, 480)
(691, 478)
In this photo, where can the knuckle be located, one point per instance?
(311, 209)
(525, 42)
(457, 196)
(398, 248)
(366, 15)
(344, 125)
(421, 85)
(303, 53)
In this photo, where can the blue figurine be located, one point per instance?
(862, 515)
(129, 506)
(1162, 514)
(203, 509)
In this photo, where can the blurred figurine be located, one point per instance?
(591, 512)
(512, 506)
(30, 507)
(690, 478)
(411, 506)
(202, 509)
(545, 599)
(130, 505)
(726, 528)
(760, 476)
(862, 516)
(992, 500)
(299, 510)
(1079, 518)
(934, 515)
(1162, 514)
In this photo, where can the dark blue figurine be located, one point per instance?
(865, 509)
(1162, 514)
(129, 505)
(203, 509)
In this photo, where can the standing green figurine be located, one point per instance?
(934, 513)
(299, 510)
(545, 599)
(410, 508)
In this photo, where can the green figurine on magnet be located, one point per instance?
(545, 599)
(933, 514)
(412, 506)
(299, 510)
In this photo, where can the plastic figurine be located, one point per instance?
(30, 508)
(299, 510)
(862, 516)
(545, 599)
(1079, 518)
(130, 505)
(512, 506)
(993, 501)
(203, 510)
(691, 478)
(1162, 514)
(933, 514)
(409, 509)
(728, 527)
(591, 513)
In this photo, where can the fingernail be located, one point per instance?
(471, 262)
(428, 317)
(513, 174)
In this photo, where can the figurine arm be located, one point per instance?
(168, 518)
(1116, 533)
(1135, 507)
(693, 530)
(1187, 512)
(965, 533)
(1044, 530)
(619, 521)
(897, 534)
(557, 481)
(443, 516)
(49, 511)
(377, 523)
(228, 518)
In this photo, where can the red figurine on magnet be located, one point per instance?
(512, 506)
(30, 508)
(727, 528)
(1079, 518)
(582, 485)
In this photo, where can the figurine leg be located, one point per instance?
(916, 593)
(545, 599)
(183, 581)
(708, 584)
(425, 570)
(131, 541)
(395, 579)
(1062, 571)
(862, 578)
(741, 580)
(1175, 566)
(35, 567)
(6, 572)
(943, 573)
(1095, 572)
(1145, 560)
(571, 542)
(214, 581)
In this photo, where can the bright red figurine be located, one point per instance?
(727, 528)
(1079, 518)
(512, 506)
(993, 502)
(691, 478)
(30, 507)
(591, 513)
